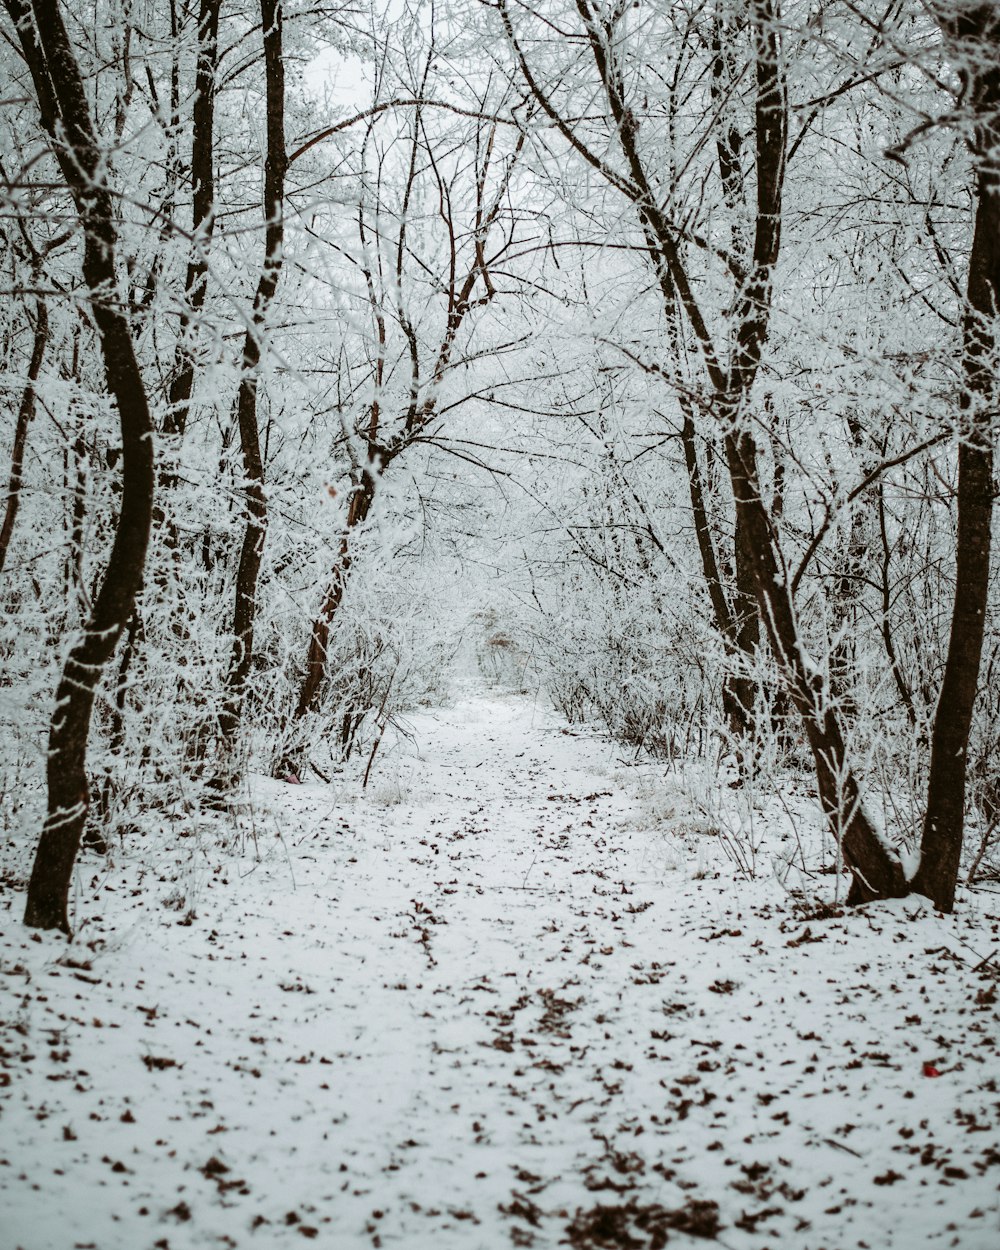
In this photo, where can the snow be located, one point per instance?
(512, 994)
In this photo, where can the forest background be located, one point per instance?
(644, 354)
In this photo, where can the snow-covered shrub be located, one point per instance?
(647, 672)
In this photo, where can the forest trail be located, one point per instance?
(500, 998)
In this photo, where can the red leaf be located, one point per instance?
(930, 1070)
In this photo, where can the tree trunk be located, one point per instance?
(251, 552)
(877, 871)
(731, 614)
(741, 685)
(66, 117)
(24, 414)
(974, 31)
(357, 513)
(202, 214)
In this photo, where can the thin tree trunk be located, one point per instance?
(734, 616)
(885, 626)
(78, 512)
(316, 657)
(202, 214)
(877, 871)
(358, 508)
(66, 117)
(975, 32)
(420, 411)
(737, 634)
(741, 685)
(24, 415)
(246, 404)
(740, 688)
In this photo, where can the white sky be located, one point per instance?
(343, 80)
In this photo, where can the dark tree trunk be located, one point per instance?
(885, 622)
(24, 414)
(66, 117)
(316, 657)
(732, 614)
(877, 871)
(419, 414)
(246, 404)
(740, 688)
(202, 214)
(974, 34)
(742, 685)
(735, 621)
(358, 508)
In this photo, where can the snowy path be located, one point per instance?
(485, 1004)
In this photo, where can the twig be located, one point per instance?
(524, 882)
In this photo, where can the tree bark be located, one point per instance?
(877, 871)
(424, 393)
(733, 615)
(358, 508)
(974, 33)
(357, 513)
(202, 214)
(65, 115)
(24, 415)
(251, 553)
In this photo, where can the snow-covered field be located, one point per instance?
(515, 993)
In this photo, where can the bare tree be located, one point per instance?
(604, 33)
(25, 412)
(66, 117)
(202, 213)
(406, 279)
(248, 570)
(972, 32)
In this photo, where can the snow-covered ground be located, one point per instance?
(515, 993)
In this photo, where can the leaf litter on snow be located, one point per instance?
(519, 994)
